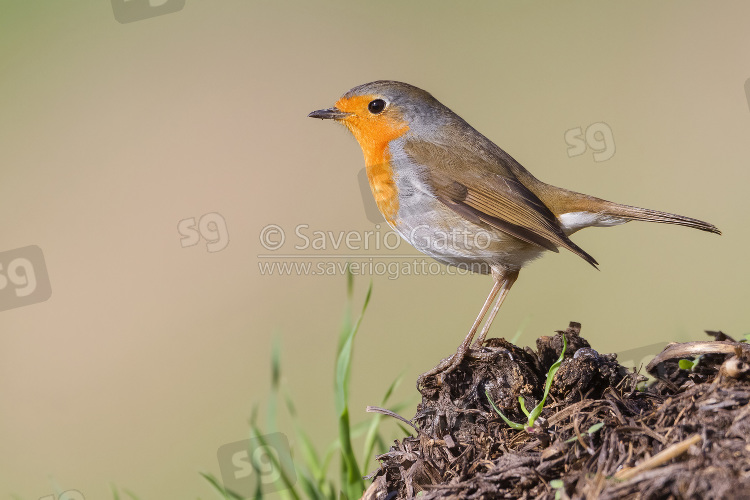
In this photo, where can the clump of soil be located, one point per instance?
(603, 432)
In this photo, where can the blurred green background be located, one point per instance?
(149, 355)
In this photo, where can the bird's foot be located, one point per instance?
(443, 368)
(450, 363)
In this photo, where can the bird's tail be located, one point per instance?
(648, 215)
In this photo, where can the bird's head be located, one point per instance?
(378, 112)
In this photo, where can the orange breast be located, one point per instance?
(374, 133)
(384, 189)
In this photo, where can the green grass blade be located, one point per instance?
(351, 480)
(310, 488)
(592, 430)
(310, 456)
(394, 385)
(289, 492)
(346, 323)
(405, 430)
(132, 495)
(254, 414)
(595, 427)
(380, 443)
(311, 460)
(351, 477)
(331, 449)
(273, 397)
(372, 432)
(512, 425)
(548, 384)
(219, 488)
(344, 360)
(349, 282)
(522, 402)
(371, 439)
(685, 364)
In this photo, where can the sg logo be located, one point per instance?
(23, 278)
(212, 227)
(598, 136)
(260, 462)
(127, 11)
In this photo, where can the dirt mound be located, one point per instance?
(602, 433)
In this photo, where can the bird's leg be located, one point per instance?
(449, 364)
(507, 278)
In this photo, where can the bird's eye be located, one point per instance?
(376, 106)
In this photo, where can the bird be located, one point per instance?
(456, 196)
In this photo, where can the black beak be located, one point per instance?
(329, 114)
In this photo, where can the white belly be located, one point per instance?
(573, 221)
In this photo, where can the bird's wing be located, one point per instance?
(489, 192)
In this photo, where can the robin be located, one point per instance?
(459, 198)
